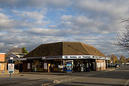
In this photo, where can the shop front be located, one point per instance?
(69, 63)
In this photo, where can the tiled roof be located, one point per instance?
(64, 48)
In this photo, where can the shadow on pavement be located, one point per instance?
(22, 82)
(87, 84)
(113, 74)
(102, 74)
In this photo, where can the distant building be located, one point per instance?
(64, 56)
(16, 53)
(3, 64)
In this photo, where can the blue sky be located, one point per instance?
(28, 23)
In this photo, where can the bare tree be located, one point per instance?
(123, 38)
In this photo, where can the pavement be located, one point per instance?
(6, 72)
(119, 77)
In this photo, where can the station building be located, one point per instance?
(64, 57)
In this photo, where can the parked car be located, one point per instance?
(117, 65)
(114, 65)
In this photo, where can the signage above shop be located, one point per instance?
(84, 57)
(69, 57)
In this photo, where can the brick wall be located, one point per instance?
(2, 62)
(2, 57)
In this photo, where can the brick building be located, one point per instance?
(3, 64)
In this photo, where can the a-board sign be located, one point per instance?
(69, 67)
(11, 68)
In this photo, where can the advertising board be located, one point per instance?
(10, 68)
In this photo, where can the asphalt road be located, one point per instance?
(104, 78)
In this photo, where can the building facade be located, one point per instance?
(3, 64)
(64, 57)
(16, 53)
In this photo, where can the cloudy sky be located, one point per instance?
(28, 23)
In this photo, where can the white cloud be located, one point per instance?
(83, 24)
(43, 31)
(34, 3)
(116, 7)
(66, 17)
(23, 19)
(52, 26)
(23, 38)
(5, 21)
(1, 9)
(108, 12)
(36, 15)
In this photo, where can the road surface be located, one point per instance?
(103, 78)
